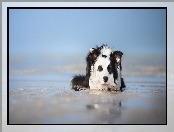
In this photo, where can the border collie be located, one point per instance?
(103, 71)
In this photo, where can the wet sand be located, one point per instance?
(40, 102)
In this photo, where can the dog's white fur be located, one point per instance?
(106, 51)
(96, 80)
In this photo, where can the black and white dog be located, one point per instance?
(103, 71)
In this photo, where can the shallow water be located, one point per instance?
(52, 102)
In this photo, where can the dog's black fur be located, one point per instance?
(82, 81)
(79, 82)
(115, 64)
(117, 54)
(90, 60)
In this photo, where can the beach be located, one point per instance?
(143, 101)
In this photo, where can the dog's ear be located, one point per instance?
(119, 53)
(94, 53)
(116, 56)
(91, 50)
(90, 60)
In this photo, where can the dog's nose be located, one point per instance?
(105, 78)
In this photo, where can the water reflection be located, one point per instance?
(109, 113)
(115, 107)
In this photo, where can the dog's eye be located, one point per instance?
(109, 68)
(100, 68)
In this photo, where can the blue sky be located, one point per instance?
(60, 39)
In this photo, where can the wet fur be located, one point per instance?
(82, 81)
(79, 82)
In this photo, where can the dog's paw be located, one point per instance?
(114, 87)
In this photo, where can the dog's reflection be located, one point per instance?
(103, 108)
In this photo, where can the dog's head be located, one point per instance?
(102, 72)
